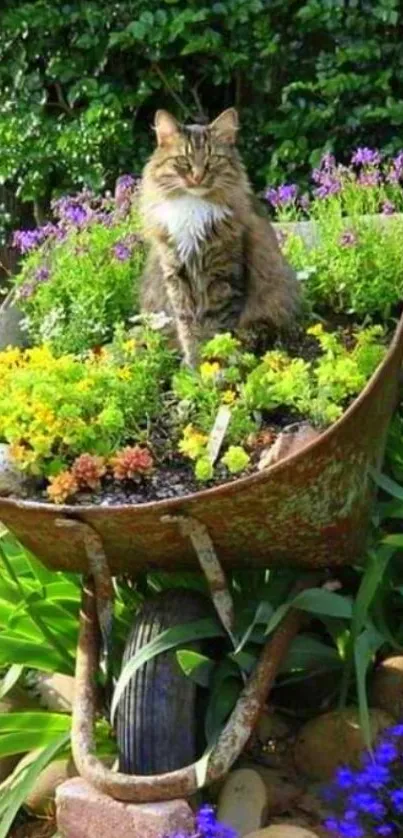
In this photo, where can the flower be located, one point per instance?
(385, 753)
(388, 208)
(42, 274)
(192, 443)
(62, 487)
(26, 240)
(329, 185)
(209, 370)
(122, 252)
(87, 470)
(283, 195)
(371, 178)
(366, 157)
(131, 462)
(207, 826)
(397, 730)
(348, 239)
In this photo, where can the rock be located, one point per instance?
(271, 726)
(11, 479)
(11, 333)
(387, 686)
(282, 793)
(41, 798)
(243, 802)
(83, 812)
(55, 691)
(334, 739)
(283, 830)
(289, 442)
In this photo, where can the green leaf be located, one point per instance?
(34, 721)
(315, 601)
(197, 667)
(10, 679)
(16, 788)
(365, 647)
(224, 694)
(387, 484)
(169, 639)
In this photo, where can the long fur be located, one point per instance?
(214, 263)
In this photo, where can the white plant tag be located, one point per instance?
(218, 432)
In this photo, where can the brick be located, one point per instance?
(84, 812)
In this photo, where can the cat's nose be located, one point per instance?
(197, 176)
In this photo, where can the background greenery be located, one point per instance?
(79, 82)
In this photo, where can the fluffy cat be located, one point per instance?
(214, 263)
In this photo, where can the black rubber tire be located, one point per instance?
(156, 717)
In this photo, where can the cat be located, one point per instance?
(214, 264)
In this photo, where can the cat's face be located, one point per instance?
(194, 159)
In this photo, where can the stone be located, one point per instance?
(387, 686)
(243, 802)
(55, 691)
(282, 793)
(271, 726)
(41, 797)
(333, 739)
(11, 479)
(83, 812)
(289, 442)
(11, 333)
(283, 830)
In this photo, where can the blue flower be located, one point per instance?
(396, 798)
(374, 776)
(385, 753)
(397, 730)
(345, 777)
(385, 829)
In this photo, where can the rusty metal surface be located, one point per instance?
(210, 565)
(310, 509)
(183, 782)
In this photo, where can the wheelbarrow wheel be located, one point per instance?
(156, 717)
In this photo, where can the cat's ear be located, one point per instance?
(166, 127)
(226, 125)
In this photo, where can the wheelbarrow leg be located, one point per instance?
(211, 567)
(104, 590)
(185, 781)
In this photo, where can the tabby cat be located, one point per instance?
(214, 264)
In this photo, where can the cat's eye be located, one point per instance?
(182, 161)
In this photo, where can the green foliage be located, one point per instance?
(236, 459)
(79, 82)
(90, 283)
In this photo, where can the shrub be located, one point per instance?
(80, 275)
(353, 264)
(79, 82)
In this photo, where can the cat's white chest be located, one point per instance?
(189, 220)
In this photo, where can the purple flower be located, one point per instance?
(283, 195)
(366, 157)
(122, 251)
(26, 240)
(72, 211)
(26, 291)
(126, 182)
(369, 178)
(42, 274)
(329, 185)
(388, 208)
(348, 239)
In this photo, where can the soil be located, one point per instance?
(175, 478)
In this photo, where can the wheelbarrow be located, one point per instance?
(311, 510)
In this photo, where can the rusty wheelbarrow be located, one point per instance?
(311, 510)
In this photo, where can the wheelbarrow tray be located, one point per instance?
(310, 510)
